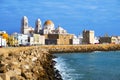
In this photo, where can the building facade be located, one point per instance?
(12, 41)
(38, 39)
(112, 39)
(58, 39)
(3, 42)
(75, 40)
(88, 37)
(38, 27)
(25, 29)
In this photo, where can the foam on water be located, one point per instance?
(66, 72)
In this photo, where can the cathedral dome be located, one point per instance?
(48, 22)
(49, 25)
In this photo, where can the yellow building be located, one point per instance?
(12, 41)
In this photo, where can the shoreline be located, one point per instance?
(80, 48)
(36, 62)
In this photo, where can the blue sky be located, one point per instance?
(102, 16)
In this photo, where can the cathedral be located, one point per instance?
(53, 36)
(25, 29)
(48, 27)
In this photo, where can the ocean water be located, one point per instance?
(89, 66)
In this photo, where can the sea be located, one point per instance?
(96, 65)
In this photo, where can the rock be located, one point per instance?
(4, 76)
(29, 64)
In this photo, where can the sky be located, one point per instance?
(102, 16)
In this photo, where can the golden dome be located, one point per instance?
(48, 22)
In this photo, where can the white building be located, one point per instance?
(38, 27)
(48, 27)
(1, 32)
(80, 39)
(60, 30)
(31, 40)
(75, 40)
(96, 41)
(22, 39)
(37, 39)
(3, 42)
(25, 29)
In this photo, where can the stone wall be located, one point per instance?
(81, 48)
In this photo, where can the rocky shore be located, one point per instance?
(36, 62)
(28, 63)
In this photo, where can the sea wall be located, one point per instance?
(81, 48)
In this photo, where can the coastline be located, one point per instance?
(80, 48)
(36, 62)
(27, 63)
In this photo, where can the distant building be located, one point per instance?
(25, 29)
(2, 32)
(48, 27)
(24, 39)
(75, 40)
(88, 37)
(3, 42)
(112, 39)
(58, 39)
(96, 41)
(80, 39)
(12, 41)
(38, 27)
(37, 39)
(105, 40)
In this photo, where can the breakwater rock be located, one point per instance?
(27, 64)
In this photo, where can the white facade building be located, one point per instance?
(25, 29)
(96, 41)
(38, 39)
(31, 41)
(38, 26)
(48, 27)
(3, 42)
(23, 39)
(75, 40)
(60, 30)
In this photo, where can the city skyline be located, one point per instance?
(74, 16)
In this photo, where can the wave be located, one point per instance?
(66, 72)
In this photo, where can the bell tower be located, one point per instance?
(38, 26)
(24, 24)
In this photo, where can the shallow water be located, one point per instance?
(94, 66)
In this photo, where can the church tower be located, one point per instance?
(24, 24)
(38, 26)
